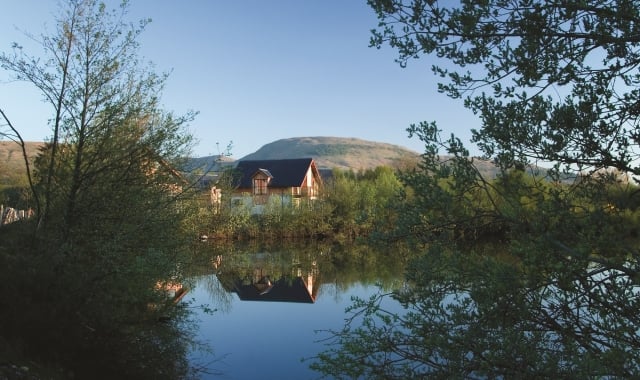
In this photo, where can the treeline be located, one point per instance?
(407, 204)
(456, 203)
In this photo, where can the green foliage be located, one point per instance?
(361, 202)
(561, 78)
(280, 219)
(522, 275)
(114, 225)
(18, 197)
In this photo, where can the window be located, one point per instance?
(259, 186)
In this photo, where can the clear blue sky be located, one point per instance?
(259, 71)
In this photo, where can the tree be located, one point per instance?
(14, 135)
(361, 201)
(533, 273)
(111, 230)
(94, 82)
(561, 77)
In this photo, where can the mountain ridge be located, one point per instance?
(12, 165)
(346, 153)
(337, 152)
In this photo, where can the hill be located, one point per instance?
(337, 152)
(12, 167)
(328, 152)
(356, 154)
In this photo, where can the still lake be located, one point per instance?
(273, 305)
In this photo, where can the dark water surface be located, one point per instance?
(271, 307)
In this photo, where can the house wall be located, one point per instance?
(257, 203)
(310, 185)
(247, 197)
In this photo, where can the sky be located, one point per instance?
(259, 71)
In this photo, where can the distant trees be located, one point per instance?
(362, 201)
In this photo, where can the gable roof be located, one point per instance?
(285, 173)
(282, 290)
(265, 172)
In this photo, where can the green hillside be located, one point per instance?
(328, 152)
(12, 166)
(337, 152)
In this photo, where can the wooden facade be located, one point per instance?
(290, 180)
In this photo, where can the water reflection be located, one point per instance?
(479, 313)
(264, 277)
(303, 289)
(293, 273)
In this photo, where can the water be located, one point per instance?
(273, 309)
(275, 306)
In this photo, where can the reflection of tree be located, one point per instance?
(332, 289)
(220, 298)
(475, 316)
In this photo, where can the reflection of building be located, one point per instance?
(260, 283)
(174, 290)
(281, 290)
